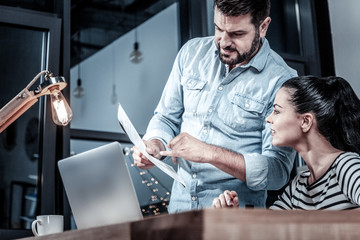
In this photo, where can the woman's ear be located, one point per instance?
(307, 121)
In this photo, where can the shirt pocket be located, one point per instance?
(244, 113)
(192, 89)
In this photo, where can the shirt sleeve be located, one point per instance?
(284, 200)
(348, 172)
(271, 169)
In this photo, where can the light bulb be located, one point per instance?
(114, 97)
(61, 112)
(79, 91)
(136, 56)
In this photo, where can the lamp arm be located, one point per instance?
(19, 104)
(36, 78)
(26, 98)
(16, 107)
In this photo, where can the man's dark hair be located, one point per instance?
(259, 9)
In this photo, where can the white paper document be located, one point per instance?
(131, 132)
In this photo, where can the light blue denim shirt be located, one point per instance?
(226, 109)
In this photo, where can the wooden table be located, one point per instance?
(229, 224)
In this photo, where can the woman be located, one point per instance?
(320, 119)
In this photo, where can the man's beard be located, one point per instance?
(240, 57)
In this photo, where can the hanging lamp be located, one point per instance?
(79, 91)
(114, 96)
(136, 56)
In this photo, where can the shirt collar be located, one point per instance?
(259, 60)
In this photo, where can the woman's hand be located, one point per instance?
(228, 199)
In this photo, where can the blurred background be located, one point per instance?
(112, 51)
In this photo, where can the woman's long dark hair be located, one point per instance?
(335, 105)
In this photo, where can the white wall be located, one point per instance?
(139, 86)
(344, 21)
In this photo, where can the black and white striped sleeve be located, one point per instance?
(348, 174)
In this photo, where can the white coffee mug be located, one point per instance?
(47, 224)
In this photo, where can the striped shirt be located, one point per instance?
(337, 189)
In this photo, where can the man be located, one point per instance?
(212, 112)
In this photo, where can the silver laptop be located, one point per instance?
(99, 187)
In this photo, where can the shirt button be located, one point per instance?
(189, 84)
(247, 105)
(205, 131)
(220, 88)
(210, 110)
(193, 198)
(194, 175)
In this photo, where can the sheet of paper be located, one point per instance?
(131, 132)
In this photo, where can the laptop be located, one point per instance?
(99, 187)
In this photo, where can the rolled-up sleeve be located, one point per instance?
(271, 169)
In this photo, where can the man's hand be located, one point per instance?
(153, 147)
(186, 146)
(226, 200)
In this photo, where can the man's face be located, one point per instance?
(236, 38)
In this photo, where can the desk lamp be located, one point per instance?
(61, 112)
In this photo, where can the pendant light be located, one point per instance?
(114, 96)
(79, 91)
(136, 56)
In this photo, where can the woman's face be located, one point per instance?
(285, 122)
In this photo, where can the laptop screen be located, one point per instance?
(99, 187)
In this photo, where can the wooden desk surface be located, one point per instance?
(229, 224)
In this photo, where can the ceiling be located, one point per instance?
(96, 23)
